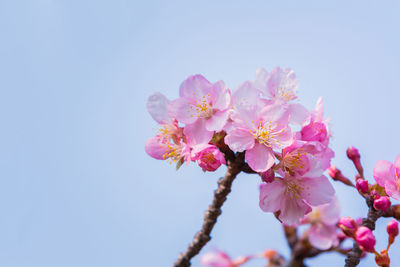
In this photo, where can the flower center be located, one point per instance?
(266, 134)
(285, 94)
(294, 160)
(294, 189)
(201, 107)
(172, 152)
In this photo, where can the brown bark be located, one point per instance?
(235, 165)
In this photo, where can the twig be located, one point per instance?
(235, 164)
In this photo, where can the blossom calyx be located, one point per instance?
(382, 259)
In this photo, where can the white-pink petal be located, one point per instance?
(271, 196)
(157, 105)
(196, 133)
(217, 121)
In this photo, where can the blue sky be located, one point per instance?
(76, 187)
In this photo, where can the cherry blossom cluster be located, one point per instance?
(262, 123)
(282, 141)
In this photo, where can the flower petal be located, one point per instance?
(317, 191)
(260, 158)
(217, 121)
(239, 140)
(271, 195)
(384, 171)
(322, 236)
(157, 105)
(196, 133)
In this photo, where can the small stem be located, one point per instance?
(235, 164)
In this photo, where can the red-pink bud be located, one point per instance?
(268, 176)
(381, 203)
(352, 153)
(348, 226)
(365, 239)
(337, 175)
(382, 259)
(393, 230)
(362, 186)
(334, 172)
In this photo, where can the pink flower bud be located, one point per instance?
(268, 176)
(352, 153)
(393, 230)
(210, 159)
(362, 186)
(382, 203)
(382, 259)
(365, 239)
(348, 226)
(337, 175)
(333, 172)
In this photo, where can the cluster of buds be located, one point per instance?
(366, 239)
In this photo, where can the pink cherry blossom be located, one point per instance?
(202, 106)
(387, 175)
(280, 86)
(208, 157)
(259, 131)
(323, 231)
(162, 149)
(294, 195)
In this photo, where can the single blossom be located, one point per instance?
(387, 175)
(202, 106)
(259, 131)
(323, 219)
(280, 86)
(294, 195)
(208, 157)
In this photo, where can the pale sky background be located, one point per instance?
(76, 187)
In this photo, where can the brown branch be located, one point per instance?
(353, 257)
(235, 164)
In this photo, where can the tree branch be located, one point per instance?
(235, 164)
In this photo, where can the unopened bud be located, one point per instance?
(382, 259)
(381, 203)
(354, 155)
(268, 176)
(365, 239)
(348, 226)
(393, 230)
(362, 186)
(337, 175)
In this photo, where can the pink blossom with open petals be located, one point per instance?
(280, 86)
(294, 195)
(203, 104)
(323, 231)
(387, 175)
(259, 131)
